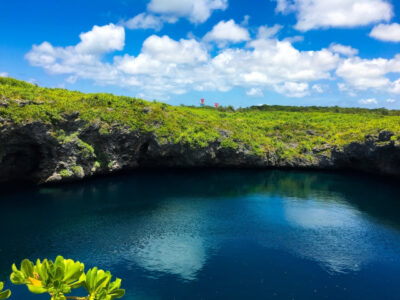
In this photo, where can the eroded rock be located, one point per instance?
(40, 153)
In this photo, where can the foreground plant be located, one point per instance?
(98, 284)
(60, 277)
(4, 294)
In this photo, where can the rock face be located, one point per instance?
(33, 152)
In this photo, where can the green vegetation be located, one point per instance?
(78, 171)
(4, 294)
(288, 131)
(66, 173)
(60, 277)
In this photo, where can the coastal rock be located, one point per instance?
(39, 153)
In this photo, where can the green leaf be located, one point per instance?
(27, 267)
(98, 284)
(36, 289)
(4, 294)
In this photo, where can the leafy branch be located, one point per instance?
(60, 277)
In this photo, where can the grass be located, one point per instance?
(288, 131)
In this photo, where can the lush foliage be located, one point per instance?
(60, 277)
(287, 131)
(4, 294)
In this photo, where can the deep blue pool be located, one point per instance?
(216, 234)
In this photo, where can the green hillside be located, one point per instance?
(288, 131)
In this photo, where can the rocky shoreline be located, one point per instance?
(32, 152)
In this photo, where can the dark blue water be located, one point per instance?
(216, 234)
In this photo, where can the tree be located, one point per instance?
(60, 277)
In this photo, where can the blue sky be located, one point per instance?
(235, 52)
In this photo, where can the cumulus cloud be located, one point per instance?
(227, 32)
(370, 101)
(160, 12)
(314, 14)
(364, 74)
(166, 66)
(84, 59)
(3, 74)
(344, 50)
(390, 100)
(293, 89)
(161, 51)
(85, 55)
(197, 11)
(101, 39)
(386, 32)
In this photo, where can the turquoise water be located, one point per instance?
(216, 234)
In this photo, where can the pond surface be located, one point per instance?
(216, 234)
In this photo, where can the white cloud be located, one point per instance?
(370, 101)
(386, 32)
(245, 21)
(197, 11)
(265, 32)
(364, 74)
(255, 92)
(166, 66)
(390, 100)
(84, 59)
(394, 87)
(285, 6)
(160, 52)
(313, 14)
(294, 39)
(318, 88)
(3, 74)
(101, 39)
(344, 50)
(146, 21)
(160, 12)
(293, 89)
(167, 50)
(227, 32)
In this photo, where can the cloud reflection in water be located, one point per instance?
(181, 255)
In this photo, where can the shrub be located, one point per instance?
(78, 171)
(66, 173)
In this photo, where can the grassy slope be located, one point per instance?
(290, 131)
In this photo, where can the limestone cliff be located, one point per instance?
(32, 152)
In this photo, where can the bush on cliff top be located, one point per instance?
(288, 131)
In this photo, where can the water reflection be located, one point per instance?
(184, 226)
(177, 255)
(172, 240)
(332, 234)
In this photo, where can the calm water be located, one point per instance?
(216, 234)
